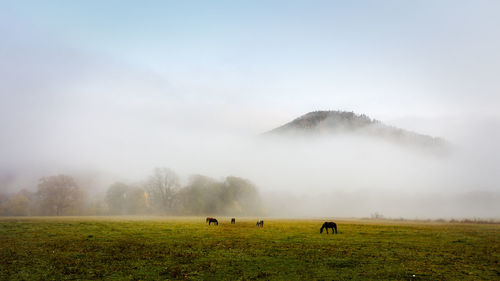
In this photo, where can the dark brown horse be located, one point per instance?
(260, 223)
(212, 220)
(327, 225)
(233, 221)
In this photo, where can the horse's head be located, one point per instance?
(321, 230)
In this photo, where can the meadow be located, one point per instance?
(186, 248)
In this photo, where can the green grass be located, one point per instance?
(132, 248)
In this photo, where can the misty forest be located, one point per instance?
(161, 194)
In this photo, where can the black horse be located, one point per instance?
(233, 221)
(260, 223)
(212, 220)
(327, 225)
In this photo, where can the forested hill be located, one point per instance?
(343, 122)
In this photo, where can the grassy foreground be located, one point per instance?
(132, 248)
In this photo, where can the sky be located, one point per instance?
(419, 58)
(129, 84)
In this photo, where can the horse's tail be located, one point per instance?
(335, 227)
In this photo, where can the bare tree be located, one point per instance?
(162, 187)
(59, 195)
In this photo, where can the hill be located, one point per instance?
(344, 122)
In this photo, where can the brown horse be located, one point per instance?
(328, 225)
(212, 220)
(233, 221)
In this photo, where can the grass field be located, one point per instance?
(133, 248)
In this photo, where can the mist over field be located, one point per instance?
(100, 105)
(342, 175)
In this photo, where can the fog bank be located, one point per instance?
(93, 96)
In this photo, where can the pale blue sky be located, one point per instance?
(267, 60)
(359, 55)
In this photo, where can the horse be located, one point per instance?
(260, 223)
(233, 221)
(328, 225)
(208, 219)
(212, 220)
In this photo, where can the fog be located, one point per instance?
(104, 116)
(338, 176)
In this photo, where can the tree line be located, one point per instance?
(161, 193)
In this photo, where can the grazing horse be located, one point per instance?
(233, 221)
(327, 225)
(212, 220)
(260, 223)
(208, 219)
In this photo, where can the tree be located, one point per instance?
(116, 198)
(200, 196)
(124, 199)
(137, 201)
(4, 199)
(18, 205)
(96, 207)
(233, 196)
(59, 195)
(241, 196)
(161, 188)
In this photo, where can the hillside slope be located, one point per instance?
(343, 122)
